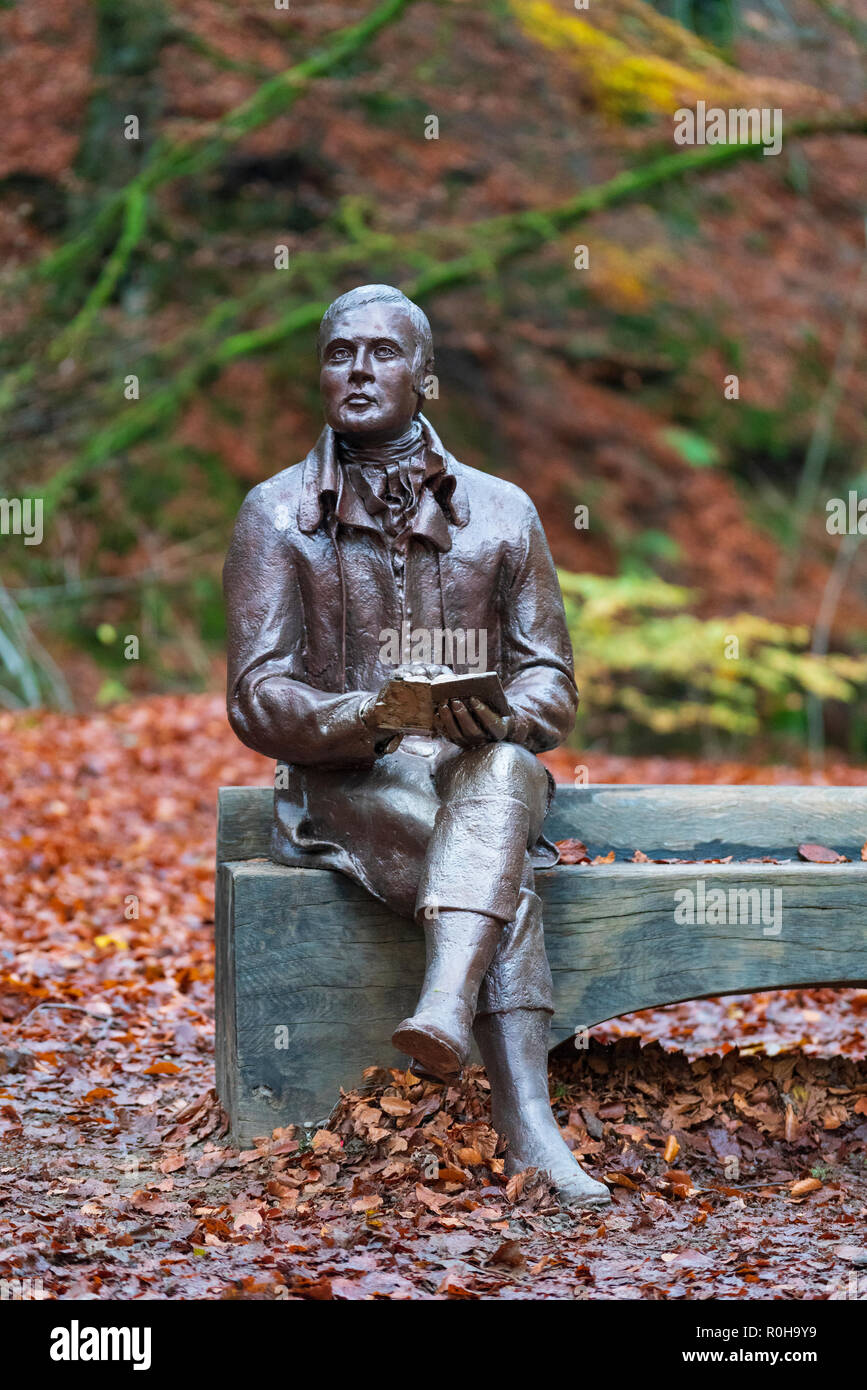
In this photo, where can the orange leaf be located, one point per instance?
(573, 852)
(671, 1150)
(621, 1180)
(162, 1069)
(800, 1189)
(452, 1175)
(324, 1139)
(98, 1093)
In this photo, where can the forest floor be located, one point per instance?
(732, 1132)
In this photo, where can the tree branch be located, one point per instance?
(496, 242)
(172, 161)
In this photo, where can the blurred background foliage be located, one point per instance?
(260, 128)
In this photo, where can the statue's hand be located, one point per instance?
(379, 712)
(470, 722)
(429, 670)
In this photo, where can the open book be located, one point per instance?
(411, 701)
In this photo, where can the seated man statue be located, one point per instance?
(380, 532)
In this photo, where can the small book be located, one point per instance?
(411, 701)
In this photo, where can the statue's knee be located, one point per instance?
(497, 769)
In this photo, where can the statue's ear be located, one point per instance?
(422, 372)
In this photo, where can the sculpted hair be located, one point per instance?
(383, 294)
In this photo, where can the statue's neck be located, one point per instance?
(380, 455)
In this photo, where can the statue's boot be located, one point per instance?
(514, 1048)
(460, 947)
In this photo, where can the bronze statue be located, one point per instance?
(354, 580)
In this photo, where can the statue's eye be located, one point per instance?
(385, 350)
(338, 354)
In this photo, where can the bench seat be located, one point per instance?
(312, 974)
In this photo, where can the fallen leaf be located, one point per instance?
(394, 1105)
(573, 852)
(247, 1220)
(800, 1189)
(509, 1253)
(819, 854)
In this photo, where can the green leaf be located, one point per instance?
(694, 449)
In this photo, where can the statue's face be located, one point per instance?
(366, 378)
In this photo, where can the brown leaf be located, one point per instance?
(323, 1140)
(573, 852)
(614, 1110)
(679, 1182)
(369, 1203)
(671, 1150)
(435, 1200)
(819, 854)
(509, 1253)
(394, 1105)
(171, 1163)
(621, 1180)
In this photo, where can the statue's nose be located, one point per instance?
(362, 368)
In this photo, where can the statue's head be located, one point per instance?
(375, 349)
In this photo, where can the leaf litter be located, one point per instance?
(735, 1151)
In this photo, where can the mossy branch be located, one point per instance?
(495, 242)
(170, 161)
(134, 223)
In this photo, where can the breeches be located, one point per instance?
(432, 828)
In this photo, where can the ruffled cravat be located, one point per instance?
(388, 477)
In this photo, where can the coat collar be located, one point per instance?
(322, 488)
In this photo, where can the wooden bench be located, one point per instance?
(312, 974)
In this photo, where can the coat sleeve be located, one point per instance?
(269, 707)
(539, 676)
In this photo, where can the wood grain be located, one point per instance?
(308, 951)
(704, 820)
